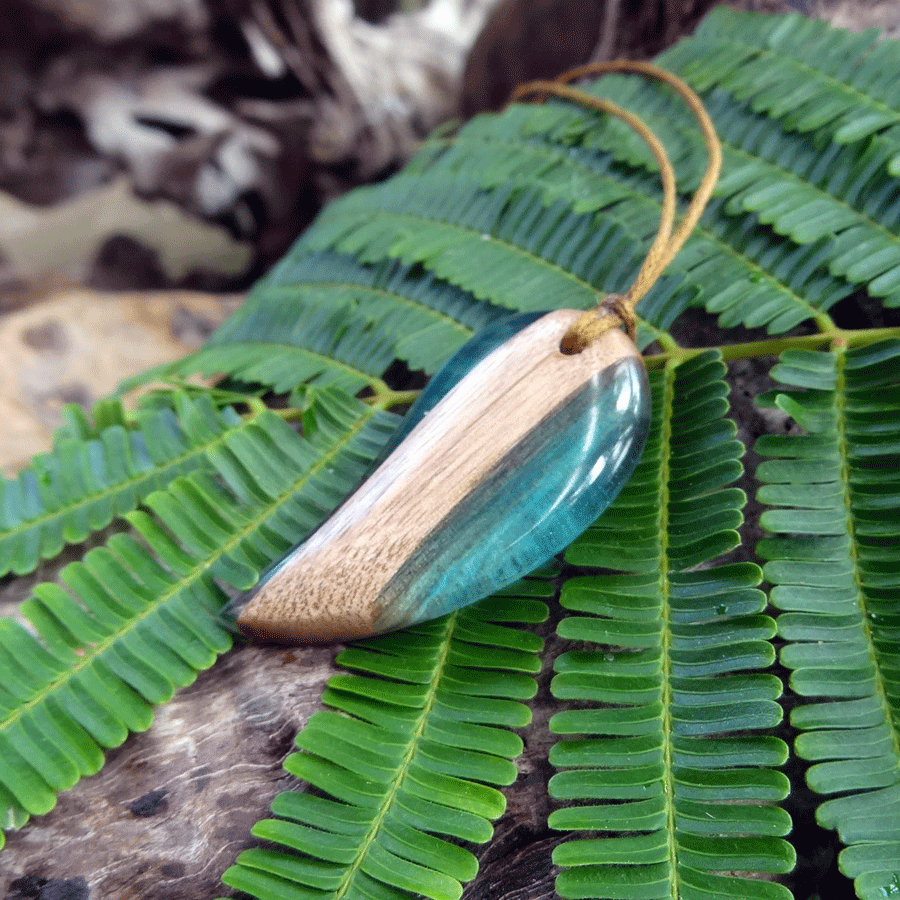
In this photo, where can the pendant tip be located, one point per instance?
(291, 607)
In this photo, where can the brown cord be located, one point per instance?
(616, 309)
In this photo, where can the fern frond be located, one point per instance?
(798, 70)
(485, 243)
(836, 500)
(803, 190)
(675, 795)
(140, 617)
(94, 474)
(303, 341)
(406, 760)
(433, 221)
(427, 320)
(739, 276)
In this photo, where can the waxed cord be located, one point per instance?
(616, 309)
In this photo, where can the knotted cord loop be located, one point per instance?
(612, 310)
(616, 309)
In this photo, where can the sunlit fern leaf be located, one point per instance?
(667, 754)
(804, 190)
(738, 274)
(835, 495)
(95, 473)
(405, 761)
(140, 617)
(307, 340)
(425, 319)
(812, 77)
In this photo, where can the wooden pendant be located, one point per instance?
(512, 450)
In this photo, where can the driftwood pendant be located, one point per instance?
(509, 454)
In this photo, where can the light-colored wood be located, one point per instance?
(330, 586)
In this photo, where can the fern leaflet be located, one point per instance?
(836, 514)
(406, 761)
(662, 754)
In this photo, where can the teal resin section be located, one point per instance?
(536, 501)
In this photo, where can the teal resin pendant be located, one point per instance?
(512, 450)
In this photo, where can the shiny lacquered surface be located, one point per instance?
(509, 454)
(534, 502)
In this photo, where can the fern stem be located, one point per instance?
(667, 342)
(666, 661)
(753, 349)
(824, 322)
(387, 399)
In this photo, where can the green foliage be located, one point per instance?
(671, 737)
(137, 619)
(93, 475)
(672, 751)
(406, 761)
(835, 491)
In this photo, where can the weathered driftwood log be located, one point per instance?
(263, 110)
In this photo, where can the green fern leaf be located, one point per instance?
(291, 344)
(426, 319)
(836, 512)
(799, 70)
(734, 271)
(787, 180)
(406, 760)
(431, 220)
(531, 149)
(96, 473)
(567, 264)
(133, 621)
(662, 754)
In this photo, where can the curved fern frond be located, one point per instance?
(405, 759)
(569, 262)
(552, 151)
(94, 474)
(328, 344)
(433, 221)
(836, 499)
(803, 190)
(676, 793)
(798, 70)
(427, 319)
(140, 617)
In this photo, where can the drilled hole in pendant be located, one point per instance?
(570, 345)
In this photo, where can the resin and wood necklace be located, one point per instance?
(521, 441)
